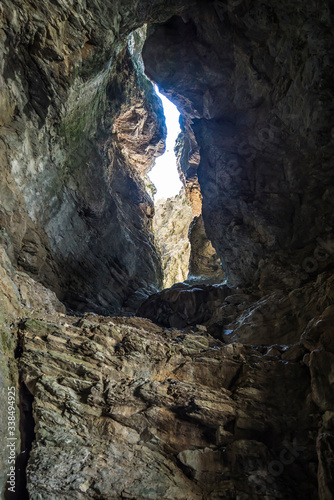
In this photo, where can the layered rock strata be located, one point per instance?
(20, 296)
(238, 404)
(126, 409)
(231, 394)
(292, 327)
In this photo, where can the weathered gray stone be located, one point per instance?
(245, 80)
(171, 225)
(238, 401)
(125, 408)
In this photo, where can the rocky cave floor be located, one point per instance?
(234, 402)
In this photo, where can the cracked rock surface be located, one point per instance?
(171, 222)
(125, 409)
(225, 391)
(251, 81)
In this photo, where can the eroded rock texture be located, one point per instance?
(252, 81)
(188, 158)
(171, 222)
(20, 296)
(204, 262)
(125, 409)
(228, 393)
(294, 329)
(78, 130)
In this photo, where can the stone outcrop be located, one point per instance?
(121, 407)
(125, 408)
(280, 326)
(204, 262)
(184, 304)
(20, 296)
(171, 222)
(243, 315)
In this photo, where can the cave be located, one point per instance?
(165, 176)
(185, 252)
(181, 349)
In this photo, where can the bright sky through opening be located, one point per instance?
(164, 174)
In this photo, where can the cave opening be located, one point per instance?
(173, 214)
(164, 174)
(185, 251)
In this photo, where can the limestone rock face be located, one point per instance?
(20, 296)
(78, 130)
(281, 326)
(229, 392)
(184, 304)
(188, 158)
(171, 222)
(204, 261)
(252, 83)
(123, 408)
(243, 315)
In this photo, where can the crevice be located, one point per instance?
(27, 434)
(20, 340)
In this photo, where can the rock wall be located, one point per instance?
(291, 330)
(188, 158)
(125, 408)
(78, 131)
(236, 405)
(171, 223)
(184, 249)
(252, 82)
(20, 297)
(204, 262)
(231, 394)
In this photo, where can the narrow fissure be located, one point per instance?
(164, 173)
(186, 253)
(27, 435)
(173, 214)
